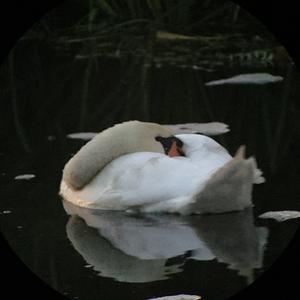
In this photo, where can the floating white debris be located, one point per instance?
(253, 78)
(211, 128)
(6, 212)
(178, 297)
(88, 266)
(82, 135)
(281, 216)
(25, 177)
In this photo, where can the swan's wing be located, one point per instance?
(258, 173)
(229, 188)
(145, 178)
(136, 180)
(258, 176)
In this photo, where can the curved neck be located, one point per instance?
(128, 137)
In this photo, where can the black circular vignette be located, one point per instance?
(19, 281)
(279, 282)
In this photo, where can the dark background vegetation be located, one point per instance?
(124, 41)
(27, 135)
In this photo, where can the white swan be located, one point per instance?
(126, 168)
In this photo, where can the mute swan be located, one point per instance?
(125, 167)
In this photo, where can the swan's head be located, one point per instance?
(153, 137)
(172, 145)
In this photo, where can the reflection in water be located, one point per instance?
(145, 248)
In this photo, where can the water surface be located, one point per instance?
(50, 90)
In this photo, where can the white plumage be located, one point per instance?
(206, 180)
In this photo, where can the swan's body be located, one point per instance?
(206, 180)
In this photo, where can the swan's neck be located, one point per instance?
(128, 137)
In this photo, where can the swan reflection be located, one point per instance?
(145, 248)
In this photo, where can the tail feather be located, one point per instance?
(241, 152)
(258, 174)
(230, 187)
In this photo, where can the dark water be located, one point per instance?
(48, 93)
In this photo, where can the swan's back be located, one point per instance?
(203, 151)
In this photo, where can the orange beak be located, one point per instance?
(175, 150)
